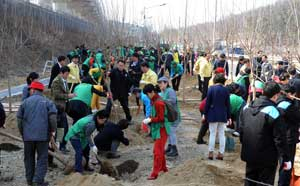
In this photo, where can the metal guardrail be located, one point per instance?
(17, 90)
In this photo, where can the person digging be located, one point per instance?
(109, 137)
(80, 136)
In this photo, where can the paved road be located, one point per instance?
(17, 90)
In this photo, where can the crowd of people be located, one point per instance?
(261, 106)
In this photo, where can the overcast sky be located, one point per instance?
(173, 13)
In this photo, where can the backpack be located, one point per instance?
(172, 113)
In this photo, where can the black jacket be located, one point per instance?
(262, 134)
(135, 72)
(54, 72)
(278, 72)
(295, 82)
(223, 64)
(2, 115)
(291, 117)
(167, 58)
(256, 66)
(109, 133)
(120, 83)
(238, 68)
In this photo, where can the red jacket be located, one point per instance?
(202, 105)
(159, 108)
(202, 109)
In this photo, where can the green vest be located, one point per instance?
(241, 80)
(151, 65)
(84, 93)
(87, 62)
(97, 75)
(123, 52)
(131, 52)
(155, 127)
(99, 57)
(78, 130)
(259, 84)
(177, 69)
(235, 104)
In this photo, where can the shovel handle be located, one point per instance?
(58, 157)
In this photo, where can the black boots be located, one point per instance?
(202, 132)
(173, 151)
(168, 149)
(201, 142)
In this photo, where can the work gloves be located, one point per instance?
(147, 121)
(143, 82)
(287, 165)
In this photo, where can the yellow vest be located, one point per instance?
(197, 66)
(176, 57)
(149, 77)
(74, 73)
(205, 68)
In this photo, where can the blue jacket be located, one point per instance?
(25, 92)
(178, 70)
(147, 102)
(34, 114)
(217, 108)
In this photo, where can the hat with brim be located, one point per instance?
(165, 79)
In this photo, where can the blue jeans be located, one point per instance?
(79, 152)
(172, 136)
(115, 145)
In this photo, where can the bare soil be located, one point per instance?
(190, 168)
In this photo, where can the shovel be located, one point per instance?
(67, 162)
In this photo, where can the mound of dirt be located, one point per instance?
(11, 124)
(199, 172)
(11, 120)
(95, 179)
(11, 128)
(128, 167)
(108, 169)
